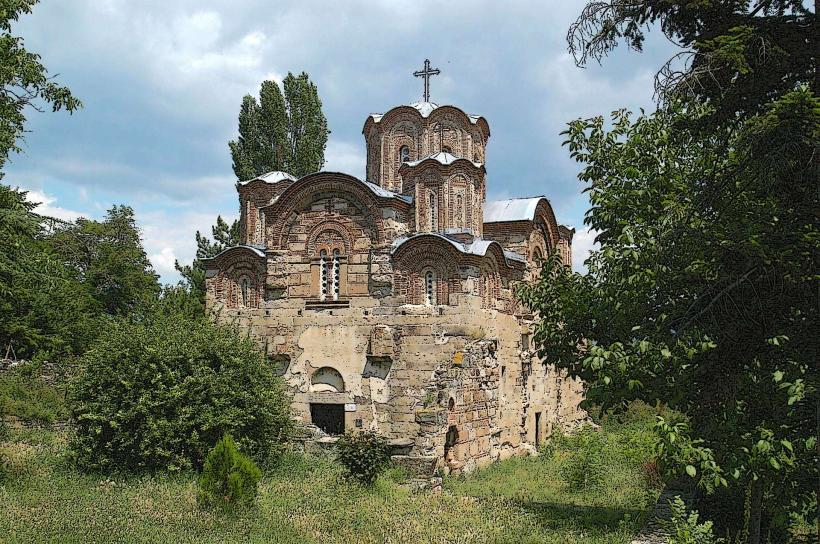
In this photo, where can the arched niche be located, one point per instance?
(327, 379)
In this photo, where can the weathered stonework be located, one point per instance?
(384, 307)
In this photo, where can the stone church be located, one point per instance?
(389, 303)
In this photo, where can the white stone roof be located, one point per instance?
(444, 158)
(378, 190)
(478, 246)
(514, 209)
(258, 250)
(425, 109)
(271, 177)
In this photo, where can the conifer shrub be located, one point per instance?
(159, 392)
(365, 455)
(229, 478)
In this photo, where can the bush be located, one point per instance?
(158, 393)
(365, 455)
(229, 478)
(586, 465)
(684, 528)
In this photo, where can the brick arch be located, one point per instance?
(490, 285)
(544, 219)
(234, 266)
(329, 235)
(310, 188)
(414, 258)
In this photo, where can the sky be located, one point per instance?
(162, 82)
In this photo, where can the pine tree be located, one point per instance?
(281, 131)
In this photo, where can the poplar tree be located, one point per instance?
(281, 131)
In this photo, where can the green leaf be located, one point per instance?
(691, 470)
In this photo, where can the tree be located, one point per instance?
(109, 259)
(43, 308)
(738, 55)
(24, 80)
(702, 295)
(281, 132)
(747, 290)
(224, 236)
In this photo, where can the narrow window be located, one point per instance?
(404, 154)
(459, 211)
(260, 227)
(429, 288)
(322, 275)
(245, 292)
(335, 275)
(433, 212)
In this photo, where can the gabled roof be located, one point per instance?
(271, 177)
(477, 247)
(514, 209)
(444, 158)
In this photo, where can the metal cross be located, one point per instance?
(426, 73)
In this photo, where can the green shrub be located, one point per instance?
(229, 478)
(23, 394)
(586, 465)
(158, 393)
(365, 455)
(684, 528)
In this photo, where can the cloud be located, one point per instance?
(345, 157)
(46, 206)
(583, 243)
(162, 83)
(169, 236)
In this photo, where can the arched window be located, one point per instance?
(245, 287)
(404, 154)
(433, 212)
(430, 288)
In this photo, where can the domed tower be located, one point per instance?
(449, 188)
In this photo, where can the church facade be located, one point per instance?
(388, 303)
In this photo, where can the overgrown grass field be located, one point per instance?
(592, 487)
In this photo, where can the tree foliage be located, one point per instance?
(158, 392)
(24, 80)
(737, 55)
(193, 275)
(703, 294)
(109, 259)
(281, 131)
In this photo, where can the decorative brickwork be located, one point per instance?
(389, 304)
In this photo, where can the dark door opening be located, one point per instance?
(537, 429)
(328, 417)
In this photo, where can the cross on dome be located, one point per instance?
(425, 74)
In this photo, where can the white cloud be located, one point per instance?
(583, 243)
(46, 206)
(345, 157)
(169, 236)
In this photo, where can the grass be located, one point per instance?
(24, 395)
(305, 500)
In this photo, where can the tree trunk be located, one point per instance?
(754, 511)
